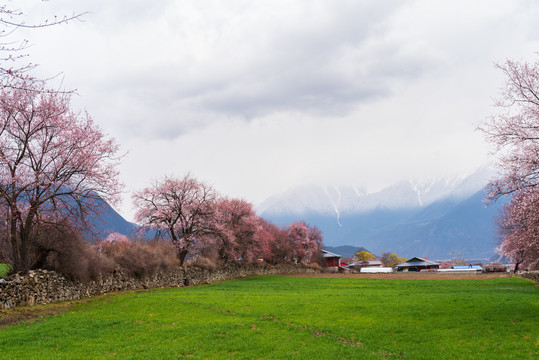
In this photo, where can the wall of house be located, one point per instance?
(333, 262)
(43, 287)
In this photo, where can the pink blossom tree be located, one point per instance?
(281, 246)
(265, 238)
(519, 227)
(514, 131)
(236, 229)
(181, 209)
(305, 241)
(116, 237)
(54, 163)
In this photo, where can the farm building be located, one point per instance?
(331, 259)
(417, 264)
(364, 264)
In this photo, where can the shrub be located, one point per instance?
(140, 258)
(5, 269)
(203, 262)
(61, 249)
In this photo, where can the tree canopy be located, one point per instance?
(55, 164)
(514, 131)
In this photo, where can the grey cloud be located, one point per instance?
(182, 65)
(319, 60)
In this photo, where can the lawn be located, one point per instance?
(292, 318)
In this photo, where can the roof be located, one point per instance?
(366, 263)
(328, 254)
(372, 263)
(417, 261)
(476, 267)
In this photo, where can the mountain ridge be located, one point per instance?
(433, 218)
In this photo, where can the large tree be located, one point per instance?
(305, 241)
(519, 227)
(391, 259)
(54, 163)
(514, 130)
(362, 255)
(181, 209)
(236, 227)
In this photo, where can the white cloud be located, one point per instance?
(256, 97)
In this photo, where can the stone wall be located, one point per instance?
(43, 287)
(534, 275)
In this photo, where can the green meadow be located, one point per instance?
(290, 318)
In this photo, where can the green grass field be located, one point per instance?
(293, 318)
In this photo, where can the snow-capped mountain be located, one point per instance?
(417, 218)
(348, 199)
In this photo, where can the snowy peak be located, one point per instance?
(346, 200)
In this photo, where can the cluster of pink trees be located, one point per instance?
(57, 166)
(198, 221)
(514, 130)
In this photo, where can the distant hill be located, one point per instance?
(109, 221)
(436, 218)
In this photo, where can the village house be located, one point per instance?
(331, 259)
(417, 264)
(358, 265)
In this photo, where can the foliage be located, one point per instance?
(391, 259)
(280, 248)
(54, 164)
(519, 226)
(59, 247)
(514, 131)
(202, 262)
(305, 242)
(5, 269)
(293, 318)
(140, 258)
(363, 255)
(235, 228)
(116, 237)
(199, 222)
(181, 209)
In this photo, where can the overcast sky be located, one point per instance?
(255, 97)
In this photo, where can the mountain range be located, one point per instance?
(437, 218)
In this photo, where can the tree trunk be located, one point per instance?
(15, 244)
(181, 256)
(516, 266)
